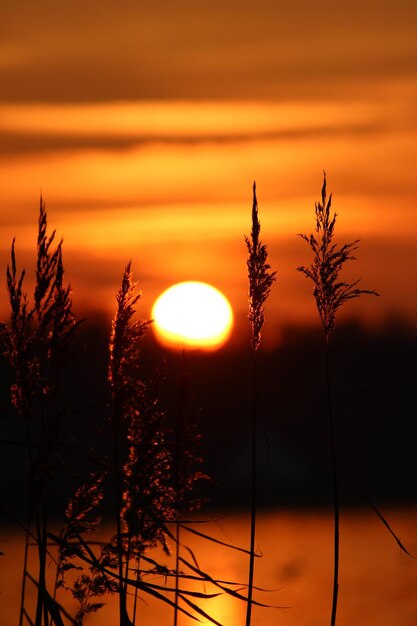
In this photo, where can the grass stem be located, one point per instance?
(254, 494)
(330, 293)
(177, 565)
(23, 588)
(336, 501)
(261, 279)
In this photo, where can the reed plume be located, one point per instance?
(126, 393)
(149, 495)
(19, 339)
(261, 279)
(123, 373)
(144, 490)
(260, 276)
(330, 294)
(151, 484)
(83, 518)
(37, 342)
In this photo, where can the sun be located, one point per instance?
(193, 315)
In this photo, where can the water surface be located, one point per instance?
(378, 582)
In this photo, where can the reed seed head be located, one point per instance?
(123, 377)
(260, 276)
(329, 291)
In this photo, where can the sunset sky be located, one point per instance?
(144, 126)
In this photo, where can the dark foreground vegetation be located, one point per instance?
(100, 428)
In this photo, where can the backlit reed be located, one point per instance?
(261, 279)
(330, 294)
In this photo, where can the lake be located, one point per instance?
(378, 582)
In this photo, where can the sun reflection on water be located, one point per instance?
(377, 582)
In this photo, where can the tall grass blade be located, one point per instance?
(261, 279)
(330, 294)
(37, 343)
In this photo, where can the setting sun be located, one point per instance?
(192, 314)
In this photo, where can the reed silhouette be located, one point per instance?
(330, 294)
(143, 478)
(36, 344)
(152, 479)
(147, 479)
(261, 279)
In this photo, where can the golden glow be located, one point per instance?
(192, 314)
(155, 161)
(180, 118)
(155, 201)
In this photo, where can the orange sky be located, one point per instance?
(144, 125)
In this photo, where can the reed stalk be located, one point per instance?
(330, 294)
(335, 474)
(125, 391)
(260, 281)
(37, 342)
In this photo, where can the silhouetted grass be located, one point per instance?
(153, 482)
(330, 294)
(146, 480)
(37, 341)
(260, 282)
(147, 494)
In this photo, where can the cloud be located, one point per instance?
(103, 51)
(32, 143)
(121, 126)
